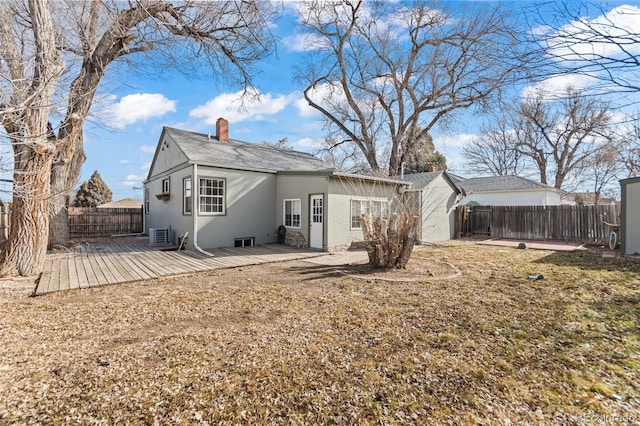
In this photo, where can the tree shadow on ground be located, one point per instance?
(315, 272)
(590, 260)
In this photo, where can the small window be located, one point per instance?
(358, 208)
(377, 208)
(292, 209)
(244, 242)
(380, 208)
(186, 203)
(147, 204)
(212, 196)
(165, 186)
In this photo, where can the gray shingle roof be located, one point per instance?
(420, 180)
(235, 154)
(500, 183)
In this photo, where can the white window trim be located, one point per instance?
(166, 181)
(370, 202)
(184, 196)
(284, 212)
(224, 197)
(147, 202)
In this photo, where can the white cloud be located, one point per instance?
(146, 165)
(321, 94)
(301, 42)
(459, 140)
(133, 180)
(304, 109)
(308, 143)
(123, 162)
(576, 41)
(151, 149)
(557, 85)
(138, 107)
(234, 108)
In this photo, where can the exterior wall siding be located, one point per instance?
(169, 157)
(167, 213)
(342, 190)
(302, 186)
(438, 211)
(630, 217)
(249, 208)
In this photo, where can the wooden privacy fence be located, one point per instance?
(100, 222)
(579, 223)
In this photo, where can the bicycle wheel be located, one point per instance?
(613, 239)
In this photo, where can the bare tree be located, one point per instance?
(603, 169)
(388, 219)
(606, 48)
(562, 134)
(493, 151)
(381, 70)
(568, 139)
(27, 94)
(630, 156)
(92, 36)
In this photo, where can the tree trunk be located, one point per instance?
(390, 242)
(24, 252)
(67, 164)
(408, 243)
(58, 214)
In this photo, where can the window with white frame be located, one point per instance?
(292, 209)
(211, 193)
(187, 197)
(146, 201)
(165, 186)
(359, 207)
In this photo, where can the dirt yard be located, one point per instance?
(463, 337)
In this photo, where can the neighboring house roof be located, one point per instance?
(206, 150)
(502, 184)
(589, 198)
(421, 180)
(126, 203)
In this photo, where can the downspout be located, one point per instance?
(194, 211)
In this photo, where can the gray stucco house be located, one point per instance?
(225, 192)
(435, 197)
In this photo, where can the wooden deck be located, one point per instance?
(102, 264)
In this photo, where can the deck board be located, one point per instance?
(95, 265)
(83, 281)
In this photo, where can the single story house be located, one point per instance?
(630, 216)
(125, 203)
(506, 191)
(224, 192)
(436, 197)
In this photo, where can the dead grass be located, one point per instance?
(298, 343)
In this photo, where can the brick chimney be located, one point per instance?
(222, 130)
(431, 168)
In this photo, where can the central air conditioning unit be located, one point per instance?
(158, 236)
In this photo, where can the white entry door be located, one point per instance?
(316, 214)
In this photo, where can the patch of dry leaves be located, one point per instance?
(301, 343)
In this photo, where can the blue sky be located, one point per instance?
(120, 143)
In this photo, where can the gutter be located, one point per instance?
(194, 212)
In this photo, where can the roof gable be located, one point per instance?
(422, 180)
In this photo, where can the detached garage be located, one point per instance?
(630, 216)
